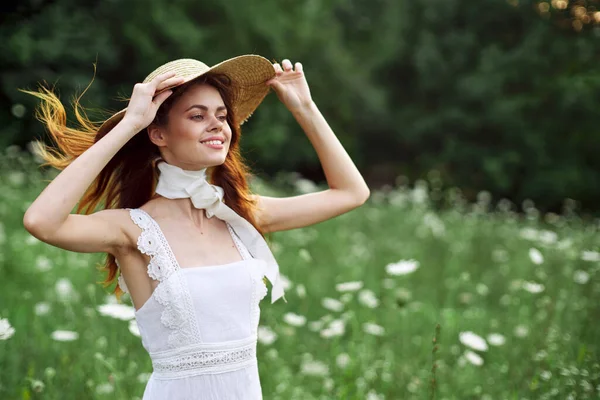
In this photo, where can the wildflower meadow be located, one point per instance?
(418, 294)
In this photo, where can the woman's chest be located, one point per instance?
(192, 247)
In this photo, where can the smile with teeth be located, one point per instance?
(212, 142)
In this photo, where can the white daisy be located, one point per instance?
(286, 284)
(581, 277)
(272, 354)
(473, 358)
(349, 286)
(419, 193)
(367, 298)
(335, 328)
(435, 224)
(332, 304)
(496, 339)
(301, 290)
(49, 372)
(118, 311)
(315, 325)
(482, 289)
(65, 290)
(305, 185)
(473, 341)
(535, 256)
(305, 255)
(373, 329)
(529, 233)
(6, 330)
(37, 385)
(294, 319)
(372, 395)
(105, 388)
(43, 263)
(546, 375)
(314, 368)
(266, 335)
(41, 308)
(521, 331)
(533, 287)
(64, 336)
(17, 178)
(589, 255)
(343, 360)
(548, 237)
(402, 267)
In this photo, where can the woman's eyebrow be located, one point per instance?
(203, 107)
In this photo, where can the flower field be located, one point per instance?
(398, 299)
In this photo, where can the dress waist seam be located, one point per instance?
(204, 358)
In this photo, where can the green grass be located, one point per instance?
(473, 261)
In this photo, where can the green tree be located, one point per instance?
(498, 96)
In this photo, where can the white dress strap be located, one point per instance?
(171, 292)
(153, 243)
(239, 244)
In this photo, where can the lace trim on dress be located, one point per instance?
(259, 289)
(238, 243)
(178, 313)
(153, 243)
(204, 359)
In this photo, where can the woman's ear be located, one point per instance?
(156, 135)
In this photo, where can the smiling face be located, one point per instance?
(196, 132)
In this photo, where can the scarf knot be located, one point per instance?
(176, 183)
(204, 195)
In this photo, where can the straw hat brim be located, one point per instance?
(248, 74)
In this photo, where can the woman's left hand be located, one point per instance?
(290, 85)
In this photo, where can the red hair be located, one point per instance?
(129, 179)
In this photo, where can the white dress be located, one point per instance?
(200, 324)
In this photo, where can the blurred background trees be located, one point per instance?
(492, 95)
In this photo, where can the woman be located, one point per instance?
(195, 281)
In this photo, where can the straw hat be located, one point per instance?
(248, 74)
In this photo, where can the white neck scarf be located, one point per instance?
(176, 183)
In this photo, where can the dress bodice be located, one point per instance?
(202, 319)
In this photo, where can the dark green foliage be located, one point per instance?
(489, 93)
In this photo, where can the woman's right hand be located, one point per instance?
(49, 217)
(143, 104)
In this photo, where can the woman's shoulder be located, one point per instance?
(122, 218)
(126, 219)
(113, 221)
(116, 216)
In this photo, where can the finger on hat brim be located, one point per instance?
(248, 74)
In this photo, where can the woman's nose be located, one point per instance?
(216, 123)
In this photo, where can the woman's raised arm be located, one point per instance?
(347, 188)
(49, 217)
